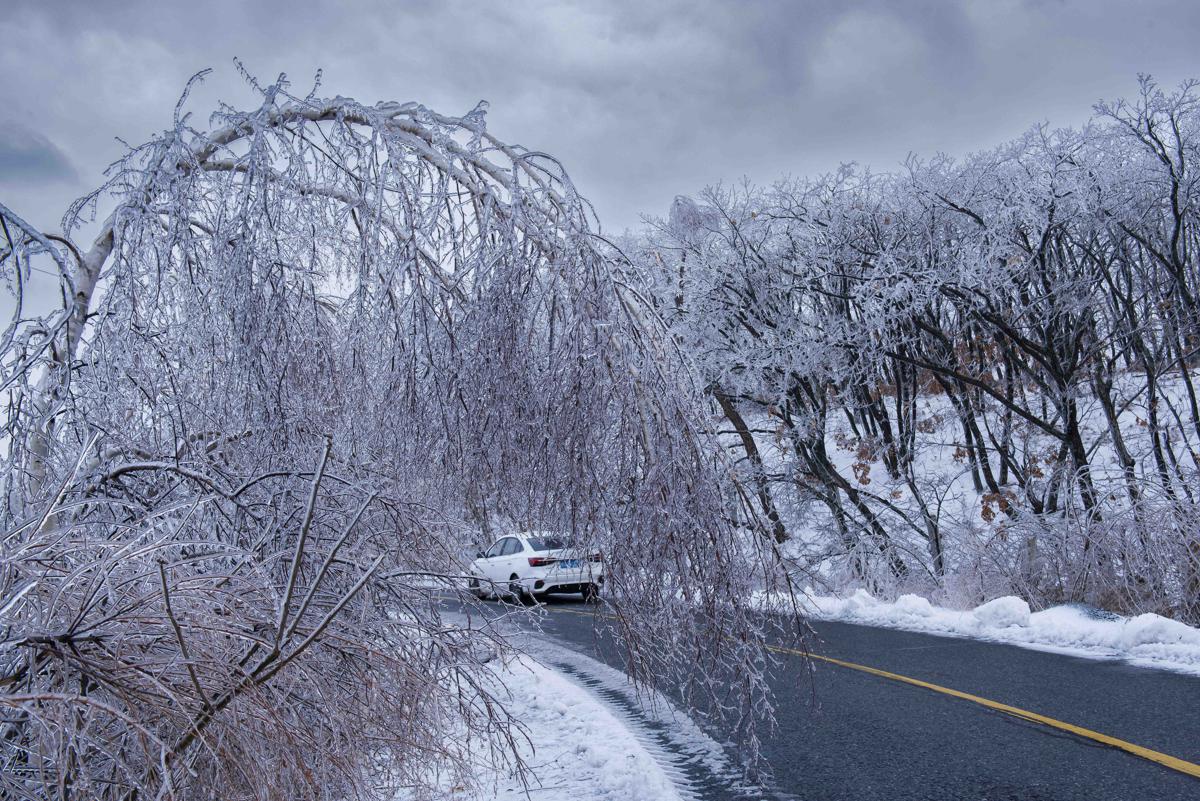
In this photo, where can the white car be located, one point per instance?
(526, 566)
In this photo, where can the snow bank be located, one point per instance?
(1002, 613)
(579, 750)
(1147, 640)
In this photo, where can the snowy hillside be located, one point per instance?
(967, 378)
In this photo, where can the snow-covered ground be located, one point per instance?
(1147, 640)
(587, 733)
(577, 748)
(987, 554)
(594, 736)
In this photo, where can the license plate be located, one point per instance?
(569, 563)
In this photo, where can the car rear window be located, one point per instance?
(549, 543)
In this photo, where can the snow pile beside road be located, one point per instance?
(577, 750)
(1002, 613)
(1149, 640)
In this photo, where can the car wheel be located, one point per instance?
(591, 593)
(474, 588)
(518, 593)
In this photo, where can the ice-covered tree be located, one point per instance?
(314, 346)
(969, 376)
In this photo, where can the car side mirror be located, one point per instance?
(479, 554)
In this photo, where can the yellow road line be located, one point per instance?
(1174, 763)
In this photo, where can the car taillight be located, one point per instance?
(595, 557)
(541, 561)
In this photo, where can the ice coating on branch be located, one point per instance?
(314, 355)
(689, 219)
(476, 121)
(968, 378)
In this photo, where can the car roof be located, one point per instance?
(554, 534)
(525, 536)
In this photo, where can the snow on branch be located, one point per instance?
(189, 607)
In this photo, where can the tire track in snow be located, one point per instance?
(698, 766)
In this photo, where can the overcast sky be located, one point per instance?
(641, 100)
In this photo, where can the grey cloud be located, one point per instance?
(641, 100)
(27, 156)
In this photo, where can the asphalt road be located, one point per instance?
(845, 734)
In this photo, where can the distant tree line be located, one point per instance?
(974, 375)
